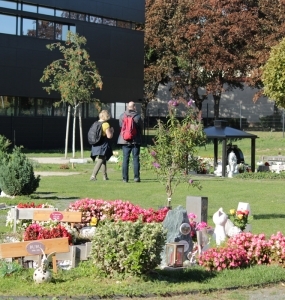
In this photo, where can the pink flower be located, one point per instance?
(192, 216)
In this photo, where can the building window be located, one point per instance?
(61, 31)
(117, 109)
(29, 27)
(73, 15)
(45, 29)
(61, 110)
(65, 14)
(109, 22)
(8, 24)
(62, 13)
(82, 17)
(94, 19)
(123, 24)
(7, 105)
(46, 11)
(93, 109)
(44, 107)
(29, 8)
(8, 4)
(72, 28)
(26, 107)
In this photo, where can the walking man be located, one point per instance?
(133, 145)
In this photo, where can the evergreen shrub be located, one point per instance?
(17, 174)
(127, 248)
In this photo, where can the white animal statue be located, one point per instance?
(43, 274)
(220, 219)
(232, 164)
(230, 229)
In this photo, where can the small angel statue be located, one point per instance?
(232, 164)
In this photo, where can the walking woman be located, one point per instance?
(102, 150)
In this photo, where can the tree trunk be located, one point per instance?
(217, 98)
(67, 131)
(80, 130)
(73, 131)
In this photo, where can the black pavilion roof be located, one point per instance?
(220, 131)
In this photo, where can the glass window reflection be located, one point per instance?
(61, 31)
(94, 19)
(29, 8)
(45, 29)
(29, 27)
(26, 107)
(8, 24)
(73, 15)
(62, 13)
(46, 11)
(8, 4)
(7, 105)
(44, 107)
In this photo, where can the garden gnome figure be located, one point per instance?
(220, 219)
(232, 163)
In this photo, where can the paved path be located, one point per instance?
(53, 160)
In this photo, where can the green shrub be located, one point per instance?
(4, 143)
(7, 268)
(17, 174)
(261, 175)
(128, 248)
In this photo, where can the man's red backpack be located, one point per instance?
(129, 130)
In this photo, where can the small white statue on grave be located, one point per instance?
(220, 219)
(232, 164)
(219, 169)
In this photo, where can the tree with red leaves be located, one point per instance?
(202, 43)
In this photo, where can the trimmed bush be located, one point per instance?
(17, 174)
(261, 175)
(128, 248)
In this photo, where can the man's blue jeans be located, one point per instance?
(127, 150)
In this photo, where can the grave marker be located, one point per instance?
(245, 206)
(61, 216)
(27, 248)
(198, 206)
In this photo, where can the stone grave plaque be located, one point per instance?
(245, 206)
(198, 206)
(176, 221)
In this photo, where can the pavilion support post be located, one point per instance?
(253, 154)
(224, 158)
(215, 152)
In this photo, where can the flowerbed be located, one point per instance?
(23, 224)
(244, 250)
(92, 210)
(48, 230)
(115, 210)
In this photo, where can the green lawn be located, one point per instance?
(266, 199)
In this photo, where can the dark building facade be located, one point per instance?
(27, 114)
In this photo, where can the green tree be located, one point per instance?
(175, 146)
(273, 76)
(75, 77)
(17, 174)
